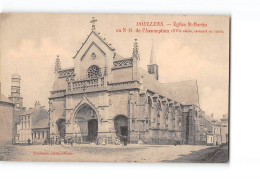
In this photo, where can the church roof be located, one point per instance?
(119, 57)
(185, 92)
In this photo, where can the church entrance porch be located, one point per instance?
(61, 124)
(92, 130)
(121, 127)
(86, 124)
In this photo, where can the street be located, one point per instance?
(114, 153)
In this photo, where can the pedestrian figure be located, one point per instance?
(68, 142)
(29, 141)
(103, 142)
(125, 140)
(62, 142)
(71, 142)
(117, 141)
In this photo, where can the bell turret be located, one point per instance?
(153, 68)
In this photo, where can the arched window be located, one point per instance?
(149, 101)
(94, 72)
(159, 105)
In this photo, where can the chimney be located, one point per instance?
(37, 105)
(212, 115)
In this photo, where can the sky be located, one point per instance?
(29, 45)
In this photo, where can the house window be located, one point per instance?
(42, 134)
(38, 135)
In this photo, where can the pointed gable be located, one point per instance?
(93, 45)
(93, 36)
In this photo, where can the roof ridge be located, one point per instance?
(3, 98)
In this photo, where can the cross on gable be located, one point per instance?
(93, 23)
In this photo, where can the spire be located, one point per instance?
(153, 68)
(136, 50)
(15, 68)
(57, 64)
(93, 21)
(152, 57)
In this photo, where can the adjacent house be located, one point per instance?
(34, 125)
(6, 119)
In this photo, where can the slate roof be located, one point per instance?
(5, 99)
(44, 123)
(39, 117)
(185, 92)
(119, 57)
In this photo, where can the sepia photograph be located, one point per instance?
(114, 88)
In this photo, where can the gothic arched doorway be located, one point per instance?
(87, 123)
(61, 123)
(121, 126)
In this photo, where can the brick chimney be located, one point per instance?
(37, 105)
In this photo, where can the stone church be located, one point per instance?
(109, 96)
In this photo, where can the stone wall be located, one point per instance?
(6, 122)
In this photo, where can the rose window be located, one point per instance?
(94, 72)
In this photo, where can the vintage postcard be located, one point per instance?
(114, 88)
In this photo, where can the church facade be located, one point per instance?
(109, 96)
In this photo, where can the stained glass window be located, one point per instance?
(94, 72)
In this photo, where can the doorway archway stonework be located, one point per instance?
(81, 115)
